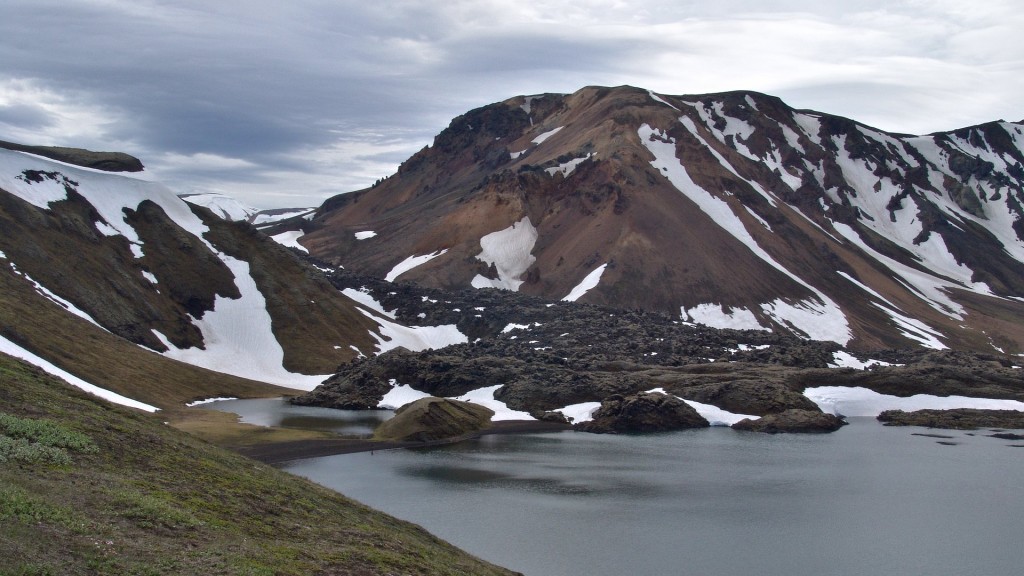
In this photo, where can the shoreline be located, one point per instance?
(276, 453)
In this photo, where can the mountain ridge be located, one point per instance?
(729, 208)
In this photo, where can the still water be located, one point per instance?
(865, 500)
(278, 412)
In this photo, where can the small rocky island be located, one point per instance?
(956, 419)
(433, 420)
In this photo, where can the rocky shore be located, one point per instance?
(548, 355)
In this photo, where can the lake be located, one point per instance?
(868, 499)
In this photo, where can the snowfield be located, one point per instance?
(238, 337)
(290, 239)
(509, 251)
(863, 402)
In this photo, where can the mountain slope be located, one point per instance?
(98, 268)
(137, 497)
(731, 209)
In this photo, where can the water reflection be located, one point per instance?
(279, 413)
(865, 500)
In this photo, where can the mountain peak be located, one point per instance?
(730, 208)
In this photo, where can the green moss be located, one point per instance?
(144, 498)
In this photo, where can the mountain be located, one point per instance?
(117, 283)
(733, 210)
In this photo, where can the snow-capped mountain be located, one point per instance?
(732, 210)
(99, 270)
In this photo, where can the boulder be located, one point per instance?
(794, 420)
(433, 419)
(644, 412)
(956, 419)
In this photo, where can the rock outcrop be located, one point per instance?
(956, 419)
(106, 161)
(793, 420)
(434, 419)
(645, 412)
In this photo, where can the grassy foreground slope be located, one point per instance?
(87, 487)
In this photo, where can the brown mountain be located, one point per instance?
(729, 209)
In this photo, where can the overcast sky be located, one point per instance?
(284, 104)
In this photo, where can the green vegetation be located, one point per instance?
(24, 440)
(139, 497)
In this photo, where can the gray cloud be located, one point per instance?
(287, 103)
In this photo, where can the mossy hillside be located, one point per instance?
(101, 358)
(148, 499)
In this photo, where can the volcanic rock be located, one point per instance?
(645, 412)
(955, 419)
(794, 420)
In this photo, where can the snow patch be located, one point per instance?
(222, 205)
(858, 401)
(485, 397)
(589, 282)
(410, 263)
(290, 239)
(508, 251)
(582, 412)
(713, 414)
(543, 137)
(715, 316)
(842, 359)
(365, 235)
(208, 401)
(568, 167)
(8, 347)
(238, 337)
(400, 395)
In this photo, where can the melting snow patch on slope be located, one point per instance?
(822, 320)
(543, 137)
(713, 414)
(394, 335)
(568, 167)
(508, 251)
(589, 282)
(290, 239)
(265, 218)
(819, 321)
(400, 395)
(715, 316)
(8, 347)
(843, 359)
(485, 397)
(239, 339)
(582, 412)
(859, 401)
(410, 263)
(366, 299)
(365, 235)
(223, 206)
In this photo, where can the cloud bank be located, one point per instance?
(285, 104)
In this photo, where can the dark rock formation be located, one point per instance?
(794, 420)
(957, 419)
(646, 412)
(433, 419)
(107, 161)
